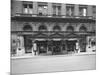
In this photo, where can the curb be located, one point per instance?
(30, 56)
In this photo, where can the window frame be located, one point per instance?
(27, 8)
(83, 7)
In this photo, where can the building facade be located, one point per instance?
(52, 28)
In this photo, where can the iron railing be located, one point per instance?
(53, 16)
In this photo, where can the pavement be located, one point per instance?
(39, 56)
(55, 63)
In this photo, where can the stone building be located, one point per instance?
(52, 28)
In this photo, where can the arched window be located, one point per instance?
(42, 28)
(83, 29)
(56, 28)
(70, 28)
(27, 28)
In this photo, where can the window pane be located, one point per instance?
(25, 10)
(94, 9)
(30, 11)
(45, 10)
(69, 11)
(54, 10)
(59, 10)
(42, 9)
(30, 6)
(83, 11)
(25, 5)
(45, 7)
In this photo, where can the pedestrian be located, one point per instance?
(77, 47)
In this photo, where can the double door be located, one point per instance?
(71, 45)
(42, 47)
(56, 47)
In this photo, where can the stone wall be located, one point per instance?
(17, 7)
(18, 26)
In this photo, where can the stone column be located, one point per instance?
(89, 10)
(76, 10)
(35, 8)
(20, 48)
(50, 10)
(63, 10)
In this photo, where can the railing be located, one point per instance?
(53, 16)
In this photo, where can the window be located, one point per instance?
(42, 10)
(14, 41)
(69, 11)
(27, 28)
(59, 10)
(70, 28)
(42, 28)
(56, 10)
(27, 8)
(83, 11)
(56, 28)
(93, 43)
(13, 46)
(83, 29)
(94, 9)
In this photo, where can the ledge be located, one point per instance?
(69, 19)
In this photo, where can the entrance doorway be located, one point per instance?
(28, 44)
(71, 45)
(42, 46)
(56, 47)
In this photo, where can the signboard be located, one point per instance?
(72, 39)
(40, 39)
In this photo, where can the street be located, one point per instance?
(53, 63)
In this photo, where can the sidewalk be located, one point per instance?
(39, 56)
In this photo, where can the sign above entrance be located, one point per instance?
(40, 39)
(57, 39)
(72, 39)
